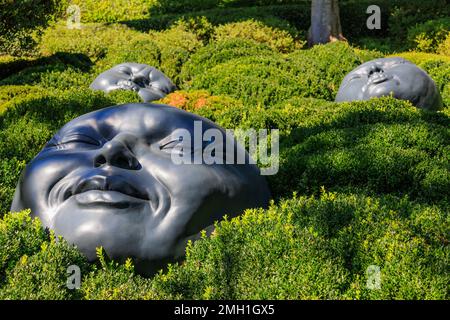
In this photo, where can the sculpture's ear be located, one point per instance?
(432, 99)
(17, 204)
(436, 104)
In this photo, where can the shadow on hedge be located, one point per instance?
(372, 152)
(60, 61)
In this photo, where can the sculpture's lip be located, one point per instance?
(107, 198)
(106, 184)
(378, 79)
(129, 84)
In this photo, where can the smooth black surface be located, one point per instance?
(150, 83)
(107, 179)
(386, 76)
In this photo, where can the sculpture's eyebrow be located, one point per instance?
(87, 131)
(125, 69)
(394, 63)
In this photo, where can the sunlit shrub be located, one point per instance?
(113, 11)
(176, 45)
(268, 79)
(428, 36)
(92, 40)
(218, 52)
(279, 40)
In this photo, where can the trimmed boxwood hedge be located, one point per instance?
(384, 145)
(92, 40)
(322, 68)
(268, 79)
(277, 39)
(428, 36)
(381, 146)
(176, 45)
(303, 248)
(219, 52)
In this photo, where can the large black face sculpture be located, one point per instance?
(386, 76)
(108, 179)
(150, 83)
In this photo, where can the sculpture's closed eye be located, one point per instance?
(354, 77)
(125, 70)
(170, 144)
(64, 141)
(176, 145)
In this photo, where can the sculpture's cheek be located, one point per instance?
(150, 94)
(379, 91)
(352, 90)
(38, 180)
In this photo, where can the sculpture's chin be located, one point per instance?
(149, 267)
(118, 227)
(151, 94)
(381, 90)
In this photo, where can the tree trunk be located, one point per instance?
(325, 22)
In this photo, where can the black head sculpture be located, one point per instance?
(150, 83)
(391, 76)
(107, 179)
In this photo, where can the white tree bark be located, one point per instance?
(325, 22)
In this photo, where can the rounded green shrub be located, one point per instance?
(139, 50)
(175, 45)
(199, 25)
(318, 248)
(10, 64)
(218, 52)
(277, 39)
(92, 40)
(44, 274)
(428, 36)
(254, 80)
(21, 23)
(262, 247)
(267, 80)
(19, 235)
(114, 11)
(444, 47)
(405, 14)
(109, 280)
(322, 68)
(9, 92)
(56, 76)
(294, 18)
(384, 146)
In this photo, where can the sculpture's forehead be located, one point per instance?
(139, 119)
(385, 63)
(129, 65)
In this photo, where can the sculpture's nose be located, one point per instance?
(139, 79)
(116, 153)
(375, 69)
